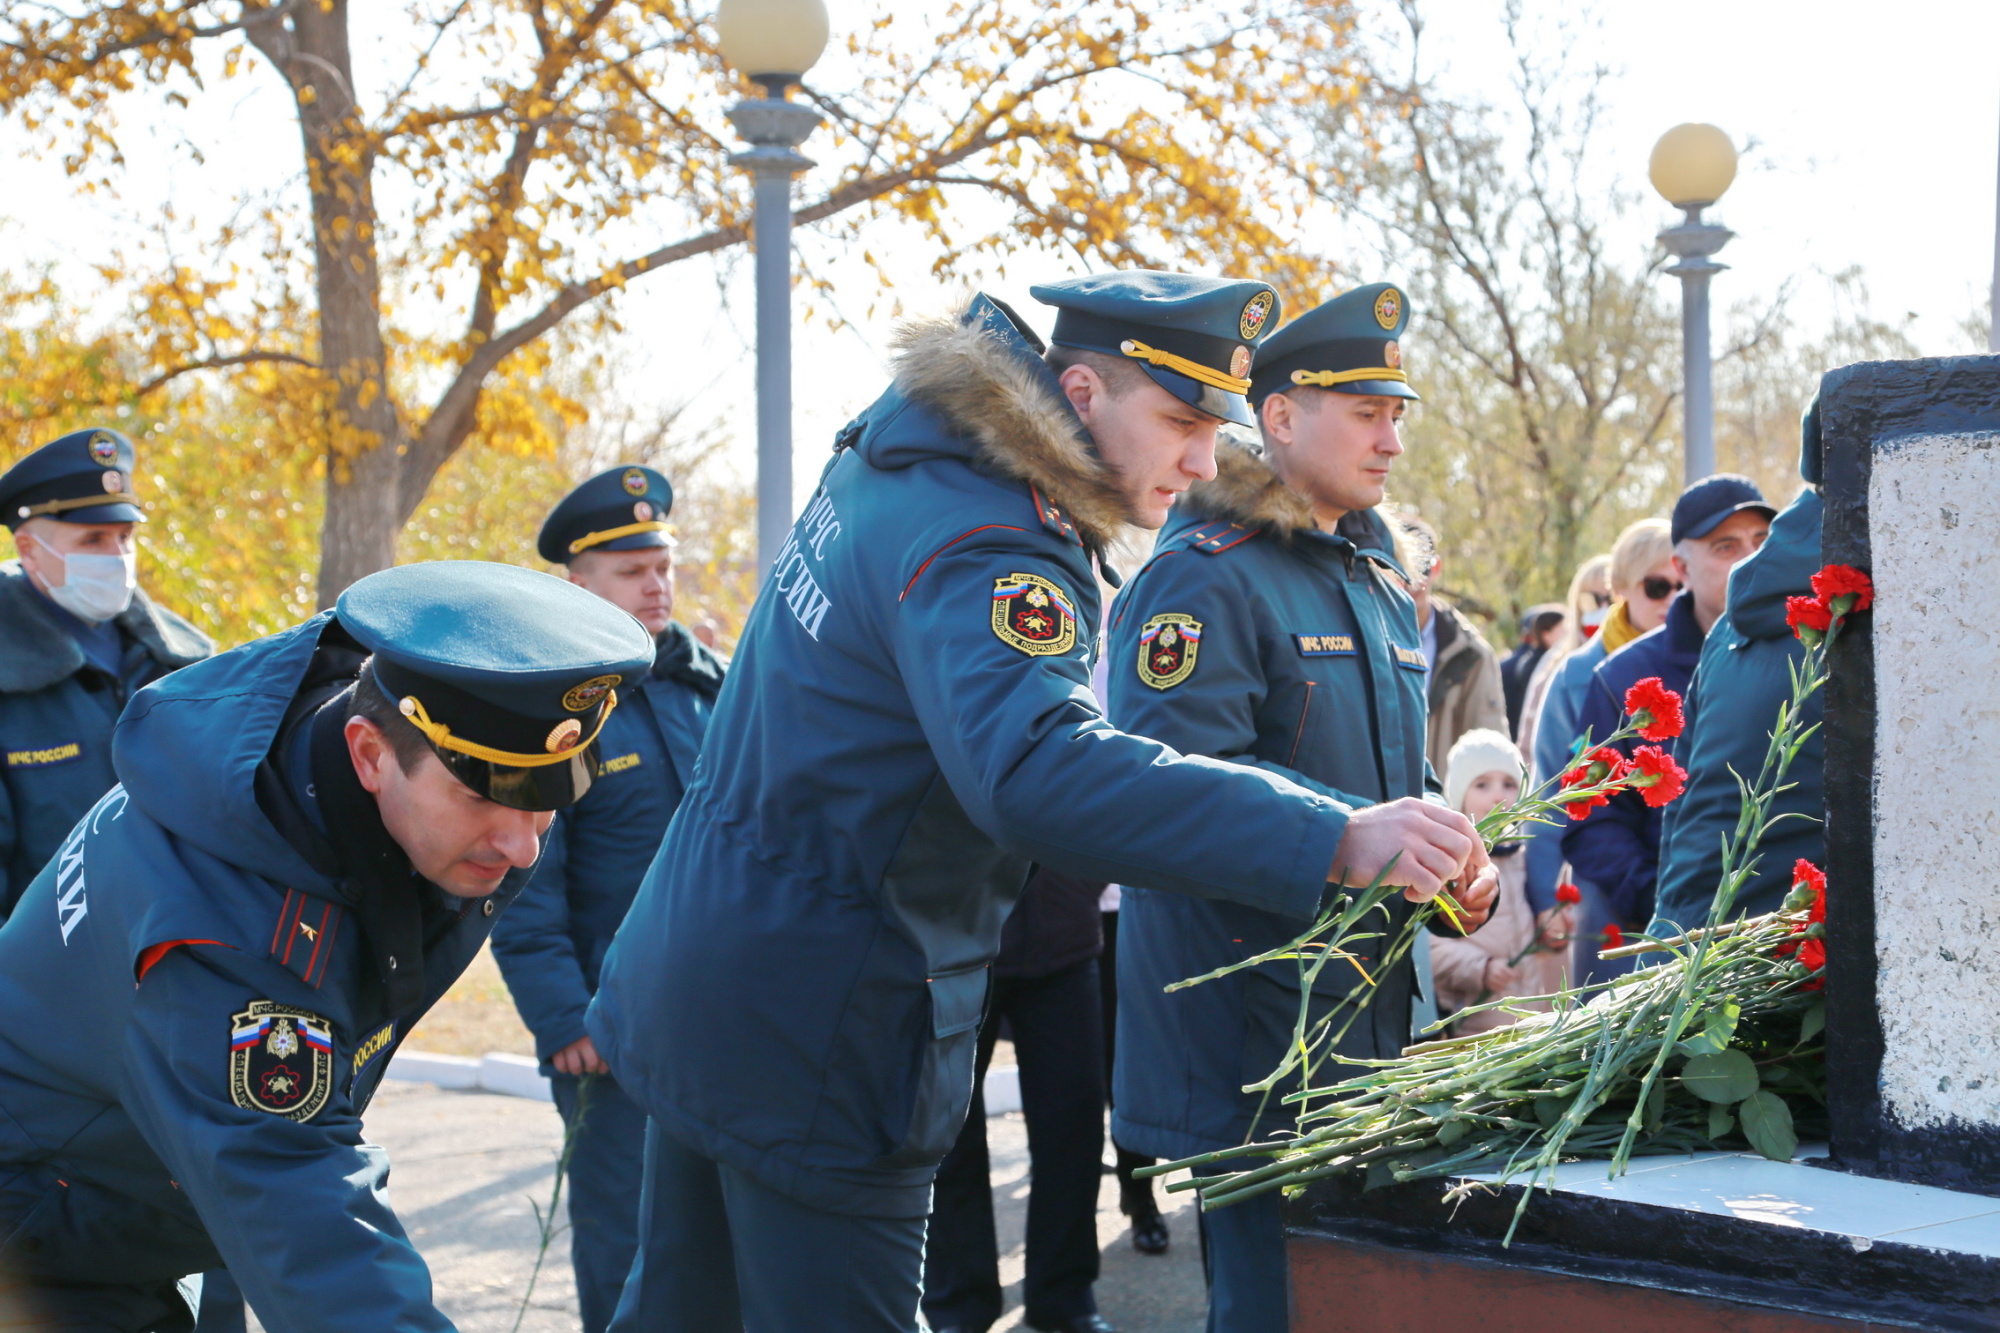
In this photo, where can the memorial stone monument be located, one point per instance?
(1896, 1222)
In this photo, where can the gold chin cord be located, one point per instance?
(440, 735)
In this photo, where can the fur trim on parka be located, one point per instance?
(1004, 404)
(1248, 490)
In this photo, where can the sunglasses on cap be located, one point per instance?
(1658, 589)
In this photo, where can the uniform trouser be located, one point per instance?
(1057, 1040)
(221, 1304)
(605, 1160)
(1243, 1258)
(1135, 1197)
(61, 1239)
(721, 1253)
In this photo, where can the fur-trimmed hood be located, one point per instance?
(36, 651)
(983, 376)
(1248, 490)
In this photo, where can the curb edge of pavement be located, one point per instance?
(520, 1076)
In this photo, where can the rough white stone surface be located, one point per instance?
(1934, 526)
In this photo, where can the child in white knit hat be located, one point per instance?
(1512, 955)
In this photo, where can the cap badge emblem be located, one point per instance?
(563, 737)
(590, 693)
(634, 481)
(1392, 355)
(1254, 314)
(1239, 362)
(643, 511)
(104, 449)
(114, 482)
(1389, 308)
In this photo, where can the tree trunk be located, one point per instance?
(365, 437)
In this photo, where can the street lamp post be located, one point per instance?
(1692, 166)
(774, 42)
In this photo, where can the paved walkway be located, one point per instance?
(471, 1168)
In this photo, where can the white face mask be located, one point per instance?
(94, 587)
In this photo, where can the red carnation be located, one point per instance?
(1656, 776)
(1812, 877)
(1838, 581)
(1808, 616)
(1614, 938)
(1593, 769)
(1655, 709)
(1568, 894)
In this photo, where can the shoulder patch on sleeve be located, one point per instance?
(1168, 646)
(280, 1060)
(1215, 538)
(1033, 615)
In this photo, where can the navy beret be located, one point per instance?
(1351, 344)
(1195, 336)
(84, 477)
(509, 673)
(620, 509)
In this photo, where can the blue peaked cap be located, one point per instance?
(508, 673)
(84, 477)
(1351, 344)
(1195, 336)
(619, 509)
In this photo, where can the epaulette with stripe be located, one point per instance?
(1217, 537)
(303, 938)
(1053, 518)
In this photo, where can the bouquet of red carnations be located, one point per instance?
(1718, 1046)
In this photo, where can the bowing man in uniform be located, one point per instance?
(795, 996)
(1270, 630)
(310, 839)
(611, 534)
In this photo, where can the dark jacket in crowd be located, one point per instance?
(233, 882)
(551, 944)
(1618, 847)
(56, 715)
(797, 989)
(1516, 670)
(1055, 925)
(1744, 677)
(1307, 666)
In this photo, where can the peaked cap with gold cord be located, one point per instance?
(1195, 336)
(619, 509)
(84, 477)
(1351, 344)
(508, 673)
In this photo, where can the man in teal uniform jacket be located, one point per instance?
(310, 838)
(795, 996)
(611, 535)
(77, 640)
(1270, 630)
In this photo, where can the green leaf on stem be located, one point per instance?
(1722, 1076)
(1813, 1023)
(1656, 1107)
(1767, 1123)
(1716, 1033)
(1451, 1131)
(1720, 1121)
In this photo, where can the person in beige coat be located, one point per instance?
(1462, 676)
(1507, 957)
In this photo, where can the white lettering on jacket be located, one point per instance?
(71, 906)
(790, 576)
